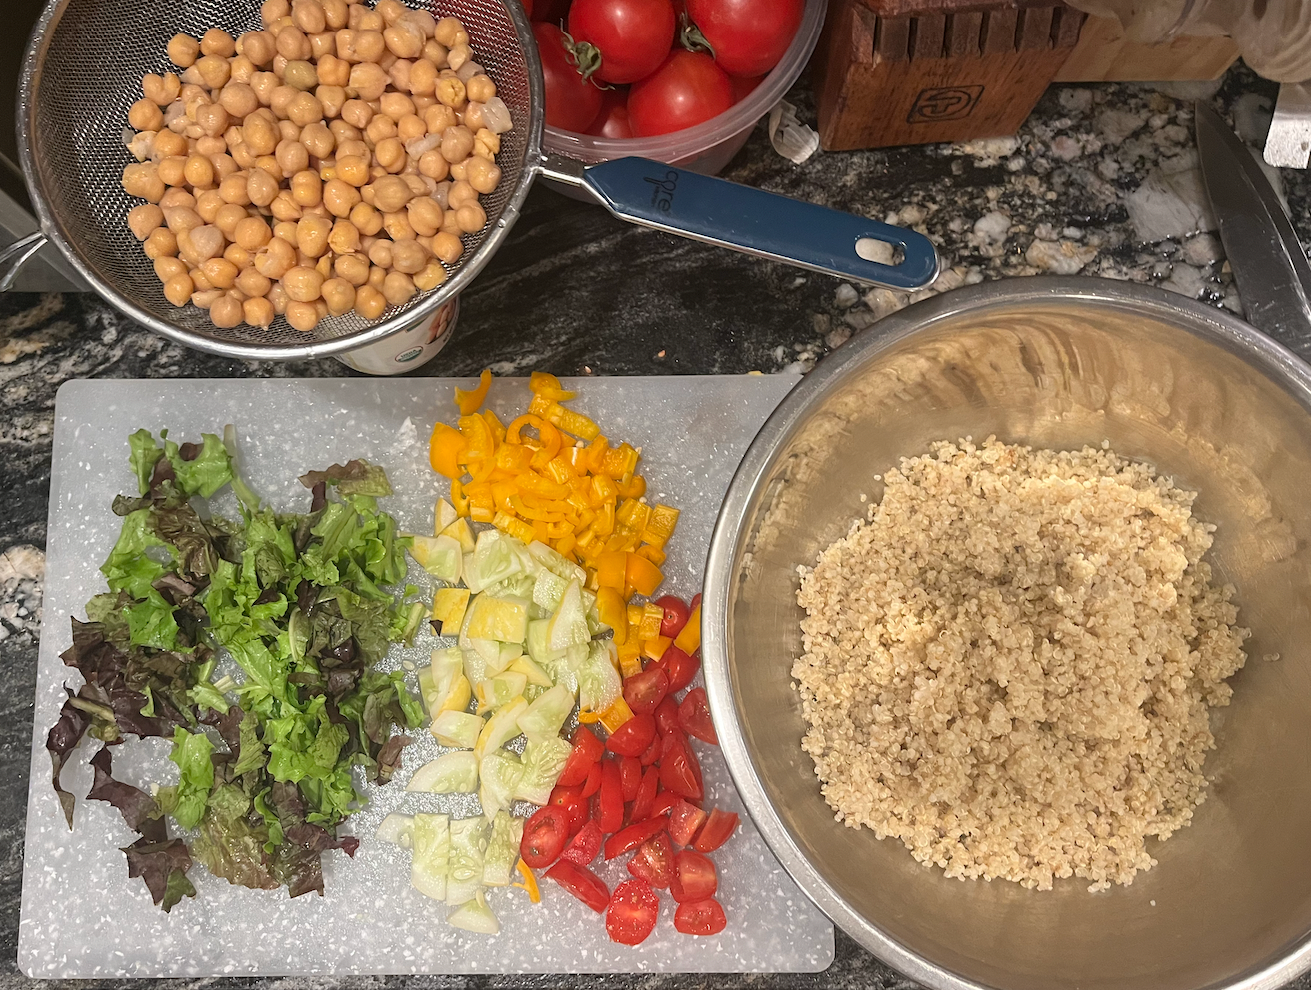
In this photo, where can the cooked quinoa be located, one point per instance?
(1010, 665)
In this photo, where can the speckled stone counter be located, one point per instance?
(1101, 181)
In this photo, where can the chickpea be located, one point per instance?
(399, 74)
(210, 146)
(390, 154)
(144, 220)
(238, 99)
(171, 170)
(368, 80)
(197, 170)
(353, 169)
(423, 78)
(300, 74)
(261, 187)
(250, 282)
(358, 113)
(285, 231)
(354, 268)
(145, 115)
(304, 109)
(395, 105)
(449, 31)
(471, 218)
(220, 272)
(308, 16)
(447, 247)
(486, 144)
(435, 52)
(366, 218)
(344, 239)
(483, 175)
(339, 295)
(252, 233)
(458, 55)
(225, 312)
(398, 227)
(377, 276)
(302, 316)
(216, 41)
(200, 280)
(351, 148)
(398, 288)
(167, 144)
(285, 208)
(457, 143)
(332, 99)
(425, 215)
(241, 69)
(257, 311)
(450, 225)
(212, 119)
(380, 128)
(233, 189)
(480, 87)
(369, 302)
(461, 192)
(291, 156)
(204, 298)
(432, 275)
(263, 85)
(259, 134)
(227, 217)
(258, 46)
(390, 10)
(339, 198)
(381, 252)
(302, 284)
(275, 259)
(178, 289)
(224, 166)
(240, 257)
(323, 43)
(177, 196)
(182, 50)
(450, 92)
(312, 235)
(408, 256)
(166, 268)
(207, 241)
(367, 20)
(434, 165)
(336, 13)
(214, 69)
(161, 90)
(410, 128)
(208, 203)
(278, 298)
(291, 43)
(162, 243)
(391, 193)
(280, 99)
(404, 40)
(273, 10)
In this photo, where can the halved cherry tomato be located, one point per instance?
(634, 836)
(582, 883)
(676, 613)
(633, 737)
(679, 770)
(696, 600)
(654, 861)
(718, 827)
(700, 917)
(694, 878)
(593, 782)
(610, 798)
(666, 713)
(587, 750)
(665, 801)
(632, 913)
(544, 836)
(646, 794)
(652, 752)
(679, 667)
(570, 800)
(694, 716)
(584, 846)
(630, 775)
(685, 819)
(646, 690)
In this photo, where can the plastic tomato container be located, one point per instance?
(707, 147)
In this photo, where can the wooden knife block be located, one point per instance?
(915, 72)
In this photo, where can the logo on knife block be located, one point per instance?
(662, 190)
(944, 103)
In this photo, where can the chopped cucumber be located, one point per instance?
(397, 829)
(502, 772)
(501, 727)
(438, 555)
(500, 690)
(448, 607)
(430, 865)
(542, 718)
(502, 849)
(569, 623)
(461, 533)
(468, 846)
(563, 675)
(495, 557)
(502, 619)
(490, 651)
(450, 773)
(469, 571)
(459, 730)
(444, 515)
(548, 589)
(516, 586)
(598, 681)
(535, 674)
(543, 760)
(539, 632)
(556, 562)
(474, 916)
(576, 655)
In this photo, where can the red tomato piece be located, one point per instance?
(652, 752)
(612, 121)
(587, 750)
(700, 917)
(544, 836)
(654, 861)
(685, 819)
(610, 798)
(630, 775)
(743, 87)
(646, 794)
(718, 827)
(621, 41)
(582, 883)
(633, 737)
(696, 600)
(679, 667)
(665, 801)
(679, 770)
(646, 690)
(694, 716)
(572, 102)
(593, 782)
(570, 800)
(632, 913)
(666, 713)
(694, 877)
(634, 836)
(676, 613)
(584, 846)
(527, 7)
(687, 89)
(748, 36)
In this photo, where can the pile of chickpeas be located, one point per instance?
(328, 163)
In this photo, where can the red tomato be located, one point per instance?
(572, 102)
(679, 667)
(676, 613)
(552, 11)
(584, 846)
(634, 836)
(630, 775)
(694, 716)
(700, 917)
(527, 7)
(748, 36)
(570, 800)
(593, 782)
(694, 877)
(582, 883)
(666, 713)
(632, 913)
(696, 600)
(719, 826)
(652, 752)
(544, 836)
(687, 89)
(633, 737)
(610, 798)
(679, 770)
(654, 861)
(646, 794)
(587, 750)
(685, 819)
(612, 121)
(665, 801)
(742, 88)
(646, 690)
(627, 39)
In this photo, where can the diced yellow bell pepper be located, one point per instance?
(632, 486)
(446, 449)
(610, 609)
(630, 665)
(515, 526)
(495, 425)
(689, 638)
(630, 652)
(548, 386)
(653, 554)
(610, 570)
(652, 616)
(655, 647)
(469, 401)
(660, 526)
(643, 575)
(616, 715)
(458, 498)
(529, 883)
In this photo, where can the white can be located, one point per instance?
(406, 349)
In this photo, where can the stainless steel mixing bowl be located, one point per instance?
(1054, 363)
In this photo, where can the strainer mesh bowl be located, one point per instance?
(83, 71)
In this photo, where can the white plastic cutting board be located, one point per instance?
(81, 914)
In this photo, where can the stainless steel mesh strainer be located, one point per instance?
(83, 71)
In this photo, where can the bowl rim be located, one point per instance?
(1215, 325)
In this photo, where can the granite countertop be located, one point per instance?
(1102, 180)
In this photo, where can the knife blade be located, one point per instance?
(1269, 265)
